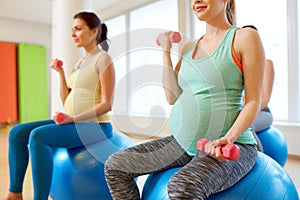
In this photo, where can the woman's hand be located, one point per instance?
(62, 118)
(163, 40)
(56, 64)
(213, 148)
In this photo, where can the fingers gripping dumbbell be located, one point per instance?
(57, 63)
(229, 151)
(60, 117)
(174, 37)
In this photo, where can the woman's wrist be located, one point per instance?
(230, 138)
(167, 52)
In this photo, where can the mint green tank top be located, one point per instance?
(211, 99)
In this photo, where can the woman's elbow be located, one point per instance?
(171, 100)
(108, 106)
(103, 107)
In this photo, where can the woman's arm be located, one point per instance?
(64, 90)
(249, 50)
(251, 54)
(170, 75)
(267, 83)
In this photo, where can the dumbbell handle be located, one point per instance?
(174, 37)
(60, 117)
(229, 151)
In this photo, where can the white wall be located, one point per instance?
(24, 31)
(291, 132)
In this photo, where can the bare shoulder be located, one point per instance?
(104, 62)
(246, 38)
(104, 58)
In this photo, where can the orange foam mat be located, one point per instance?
(8, 83)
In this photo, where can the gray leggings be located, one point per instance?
(199, 177)
(263, 120)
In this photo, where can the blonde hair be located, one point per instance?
(231, 12)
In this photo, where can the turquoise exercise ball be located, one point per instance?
(274, 144)
(78, 173)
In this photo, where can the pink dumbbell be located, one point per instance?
(229, 151)
(174, 37)
(57, 63)
(60, 117)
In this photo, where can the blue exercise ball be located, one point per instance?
(78, 173)
(274, 144)
(267, 180)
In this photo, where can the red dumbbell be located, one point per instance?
(60, 117)
(229, 151)
(174, 37)
(57, 63)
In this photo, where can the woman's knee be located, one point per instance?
(117, 166)
(112, 169)
(36, 137)
(17, 135)
(112, 163)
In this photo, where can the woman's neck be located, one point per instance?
(91, 51)
(213, 31)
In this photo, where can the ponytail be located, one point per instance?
(231, 12)
(102, 37)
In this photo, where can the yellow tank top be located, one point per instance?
(85, 90)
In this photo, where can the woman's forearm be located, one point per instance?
(64, 90)
(171, 87)
(244, 120)
(93, 112)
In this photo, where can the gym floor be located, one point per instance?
(292, 167)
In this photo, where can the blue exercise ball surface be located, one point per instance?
(274, 144)
(78, 173)
(267, 180)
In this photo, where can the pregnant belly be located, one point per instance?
(193, 119)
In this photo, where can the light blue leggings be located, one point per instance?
(38, 139)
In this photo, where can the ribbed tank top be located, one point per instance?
(86, 90)
(211, 99)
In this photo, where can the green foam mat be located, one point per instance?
(32, 83)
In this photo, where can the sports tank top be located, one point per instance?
(86, 90)
(211, 98)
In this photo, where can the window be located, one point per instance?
(146, 95)
(117, 36)
(139, 61)
(273, 32)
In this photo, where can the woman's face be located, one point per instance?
(82, 34)
(206, 10)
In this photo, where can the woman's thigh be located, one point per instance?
(20, 132)
(149, 157)
(262, 121)
(71, 135)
